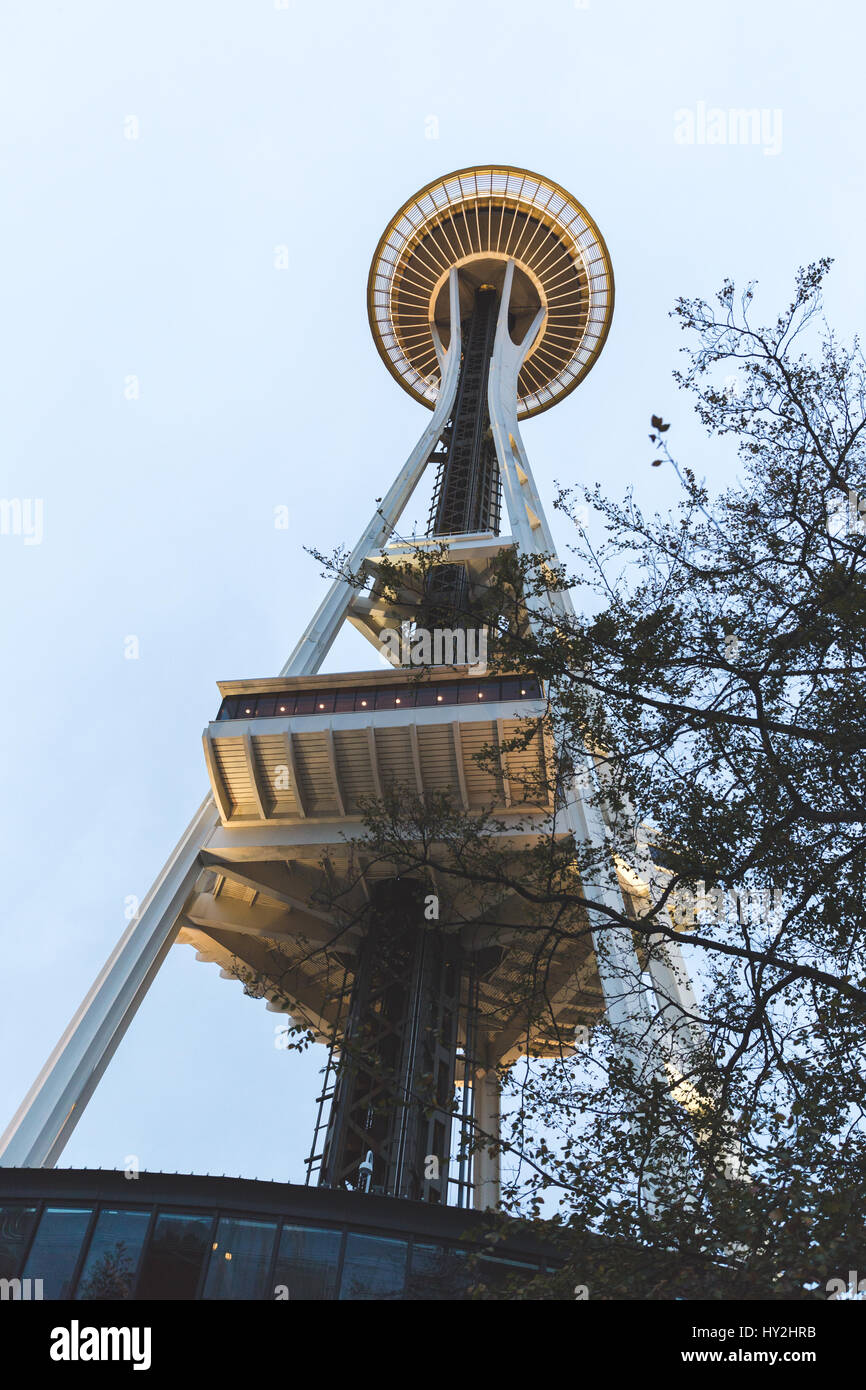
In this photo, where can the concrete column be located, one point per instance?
(487, 1117)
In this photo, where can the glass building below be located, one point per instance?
(98, 1235)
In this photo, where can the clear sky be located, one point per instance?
(153, 157)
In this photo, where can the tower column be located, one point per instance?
(396, 1073)
(618, 965)
(487, 1115)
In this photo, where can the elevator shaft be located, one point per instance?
(467, 494)
(396, 1078)
(466, 498)
(411, 1007)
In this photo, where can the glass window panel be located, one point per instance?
(530, 687)
(488, 690)
(174, 1257)
(426, 695)
(112, 1259)
(247, 705)
(468, 693)
(511, 687)
(265, 706)
(373, 1268)
(447, 694)
(55, 1249)
(388, 698)
(285, 704)
(504, 1275)
(16, 1228)
(307, 1262)
(305, 704)
(345, 701)
(228, 709)
(365, 699)
(436, 1273)
(324, 702)
(240, 1259)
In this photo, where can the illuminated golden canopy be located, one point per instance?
(479, 219)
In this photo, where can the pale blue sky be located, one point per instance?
(303, 126)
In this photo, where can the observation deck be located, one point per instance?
(314, 747)
(478, 219)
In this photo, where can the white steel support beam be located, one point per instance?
(458, 758)
(680, 1025)
(292, 762)
(217, 781)
(288, 900)
(271, 922)
(416, 759)
(374, 759)
(487, 1117)
(55, 1102)
(618, 963)
(500, 740)
(319, 636)
(335, 771)
(259, 795)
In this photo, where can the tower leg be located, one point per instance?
(672, 986)
(617, 960)
(618, 965)
(319, 636)
(487, 1103)
(36, 1136)
(397, 1069)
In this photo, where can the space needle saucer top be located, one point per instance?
(477, 220)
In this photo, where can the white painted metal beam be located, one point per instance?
(259, 794)
(458, 758)
(292, 763)
(217, 782)
(335, 771)
(416, 759)
(618, 963)
(486, 1114)
(55, 1102)
(288, 900)
(319, 636)
(374, 760)
(500, 740)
